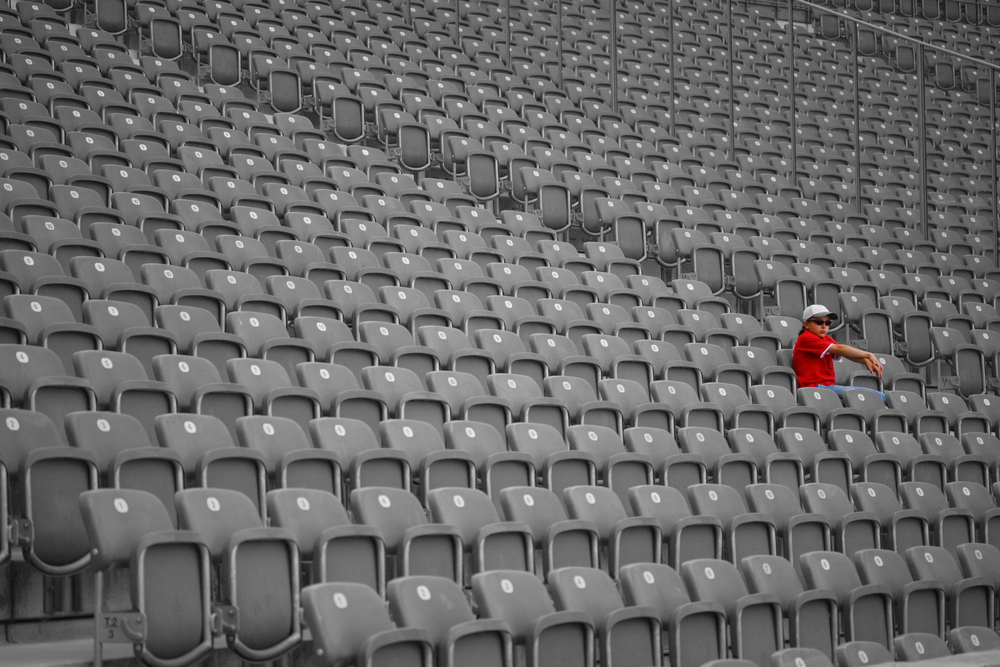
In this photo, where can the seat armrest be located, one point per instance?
(141, 453)
(217, 336)
(349, 532)
(280, 392)
(58, 327)
(916, 587)
(372, 455)
(503, 528)
(477, 627)
(968, 584)
(633, 524)
(59, 381)
(556, 619)
(585, 458)
(733, 459)
(803, 518)
(866, 590)
(142, 385)
(606, 627)
(311, 455)
(424, 470)
(747, 602)
(222, 387)
(380, 640)
(627, 458)
(802, 412)
(570, 526)
(431, 530)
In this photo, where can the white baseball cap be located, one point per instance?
(817, 310)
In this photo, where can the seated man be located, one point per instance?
(815, 351)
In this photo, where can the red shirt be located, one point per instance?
(813, 361)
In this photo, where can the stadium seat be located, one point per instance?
(265, 568)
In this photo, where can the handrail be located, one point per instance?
(909, 38)
(978, 3)
(922, 116)
(856, 24)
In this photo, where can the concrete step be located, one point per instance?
(80, 653)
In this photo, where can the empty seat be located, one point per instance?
(969, 601)
(625, 635)
(949, 526)
(915, 646)
(50, 480)
(413, 545)
(266, 337)
(490, 543)
(49, 322)
(755, 620)
(199, 389)
(686, 535)
(556, 466)
(170, 582)
(559, 541)
(811, 614)
(746, 534)
(272, 390)
(469, 400)
(819, 463)
(901, 528)
(860, 653)
(626, 539)
(348, 619)
(852, 531)
(496, 467)
(617, 468)
(865, 610)
(288, 454)
(972, 639)
(725, 466)
(548, 637)
(405, 395)
(798, 532)
(34, 378)
(121, 447)
(919, 605)
(439, 607)
(695, 632)
(262, 582)
(432, 465)
(331, 547)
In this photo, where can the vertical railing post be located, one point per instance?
(732, 85)
(993, 163)
(559, 42)
(791, 90)
(857, 119)
(673, 64)
(613, 11)
(508, 19)
(922, 133)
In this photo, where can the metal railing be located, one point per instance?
(855, 26)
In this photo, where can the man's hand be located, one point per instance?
(873, 365)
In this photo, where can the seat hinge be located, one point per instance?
(225, 620)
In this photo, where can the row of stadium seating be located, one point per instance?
(702, 611)
(391, 261)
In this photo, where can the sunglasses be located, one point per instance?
(824, 323)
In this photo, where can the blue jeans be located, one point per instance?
(839, 390)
